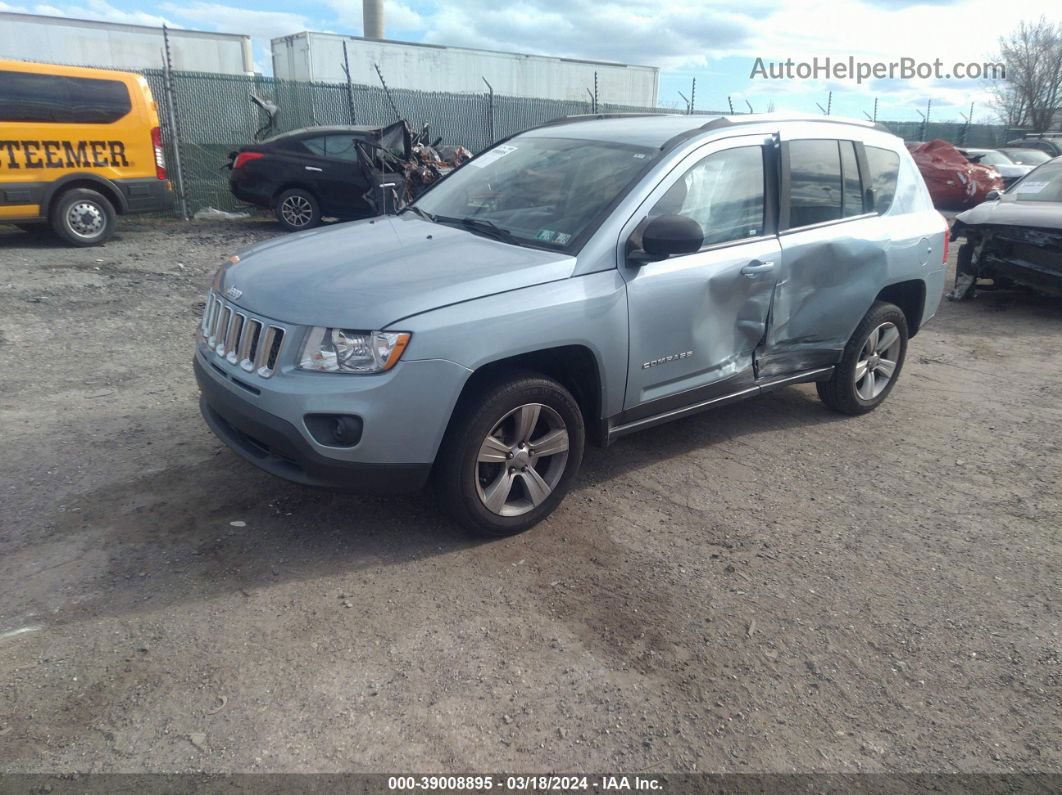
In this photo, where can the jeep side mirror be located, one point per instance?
(992, 196)
(668, 235)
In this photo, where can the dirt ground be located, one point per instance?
(769, 587)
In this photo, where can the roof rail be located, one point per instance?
(594, 117)
(721, 122)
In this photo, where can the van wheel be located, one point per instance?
(297, 209)
(871, 362)
(510, 456)
(83, 217)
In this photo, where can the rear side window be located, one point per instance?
(315, 145)
(341, 147)
(58, 99)
(884, 166)
(814, 182)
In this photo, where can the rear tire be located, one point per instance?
(298, 210)
(871, 363)
(83, 217)
(510, 455)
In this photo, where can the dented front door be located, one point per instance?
(696, 320)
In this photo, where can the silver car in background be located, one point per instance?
(581, 281)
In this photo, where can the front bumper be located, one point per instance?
(404, 418)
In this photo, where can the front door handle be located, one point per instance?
(314, 168)
(757, 267)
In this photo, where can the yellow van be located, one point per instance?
(78, 147)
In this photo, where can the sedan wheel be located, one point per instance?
(298, 210)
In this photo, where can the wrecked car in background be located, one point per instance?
(1015, 237)
(954, 182)
(344, 172)
(1010, 170)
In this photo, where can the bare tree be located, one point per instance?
(1032, 90)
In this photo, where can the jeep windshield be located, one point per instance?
(1042, 185)
(540, 192)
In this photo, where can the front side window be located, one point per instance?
(723, 193)
(541, 192)
(884, 167)
(815, 188)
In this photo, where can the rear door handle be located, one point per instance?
(314, 168)
(757, 267)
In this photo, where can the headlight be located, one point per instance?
(340, 350)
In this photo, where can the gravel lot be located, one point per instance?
(769, 587)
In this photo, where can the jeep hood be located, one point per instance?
(369, 274)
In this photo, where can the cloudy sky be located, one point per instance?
(716, 41)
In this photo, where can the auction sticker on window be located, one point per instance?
(497, 153)
(1031, 187)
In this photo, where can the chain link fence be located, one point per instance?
(215, 116)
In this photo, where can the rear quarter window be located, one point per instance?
(26, 97)
(884, 167)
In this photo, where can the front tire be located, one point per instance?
(83, 217)
(297, 210)
(871, 362)
(511, 456)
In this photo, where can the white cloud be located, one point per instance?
(263, 25)
(96, 10)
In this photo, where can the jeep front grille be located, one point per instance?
(240, 338)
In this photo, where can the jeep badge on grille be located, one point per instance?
(233, 293)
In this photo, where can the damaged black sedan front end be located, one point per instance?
(1014, 238)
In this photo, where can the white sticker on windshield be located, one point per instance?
(1032, 187)
(497, 153)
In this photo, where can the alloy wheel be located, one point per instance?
(297, 210)
(877, 361)
(522, 460)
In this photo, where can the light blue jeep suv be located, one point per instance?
(586, 279)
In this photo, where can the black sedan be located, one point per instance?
(1015, 237)
(306, 174)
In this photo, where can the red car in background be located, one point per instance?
(954, 182)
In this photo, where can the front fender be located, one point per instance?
(589, 310)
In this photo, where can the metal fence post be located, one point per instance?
(350, 86)
(490, 111)
(387, 91)
(175, 128)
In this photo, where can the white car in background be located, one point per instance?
(1008, 169)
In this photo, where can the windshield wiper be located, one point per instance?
(490, 228)
(422, 213)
